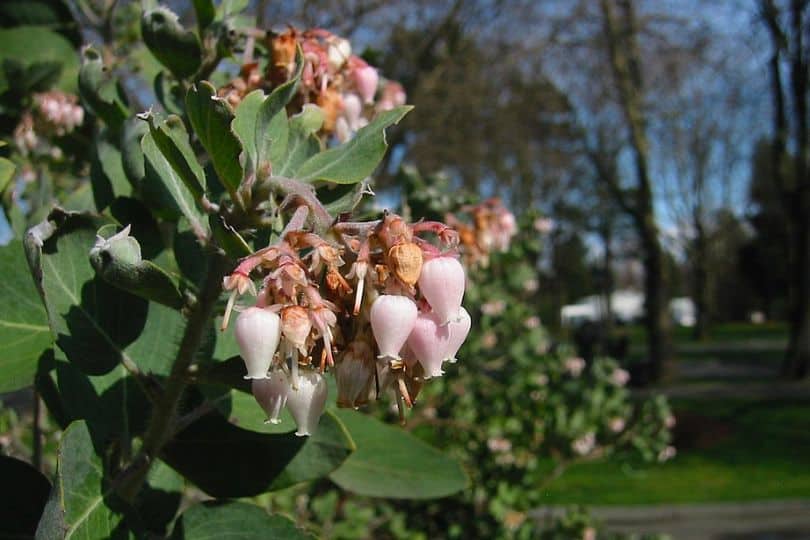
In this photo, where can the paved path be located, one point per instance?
(764, 520)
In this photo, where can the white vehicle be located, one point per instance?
(626, 307)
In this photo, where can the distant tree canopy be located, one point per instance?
(495, 124)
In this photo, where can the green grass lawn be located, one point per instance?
(737, 343)
(727, 451)
(734, 331)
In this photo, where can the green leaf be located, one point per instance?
(244, 127)
(302, 143)
(215, 520)
(36, 44)
(229, 8)
(342, 198)
(271, 130)
(132, 212)
(100, 92)
(206, 12)
(20, 513)
(227, 461)
(98, 326)
(107, 174)
(169, 93)
(80, 199)
(160, 174)
(226, 346)
(24, 332)
(390, 462)
(131, 153)
(37, 77)
(211, 119)
(175, 47)
(356, 159)
(7, 169)
(112, 405)
(190, 255)
(79, 503)
(118, 261)
(228, 238)
(54, 14)
(172, 139)
(159, 500)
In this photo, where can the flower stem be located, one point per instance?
(164, 415)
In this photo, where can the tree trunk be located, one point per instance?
(657, 320)
(799, 354)
(625, 59)
(700, 292)
(607, 285)
(797, 359)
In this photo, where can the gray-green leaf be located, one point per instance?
(37, 44)
(118, 261)
(271, 132)
(356, 159)
(159, 169)
(175, 47)
(96, 325)
(100, 92)
(302, 143)
(227, 461)
(172, 139)
(215, 520)
(78, 506)
(211, 119)
(107, 174)
(24, 332)
(390, 462)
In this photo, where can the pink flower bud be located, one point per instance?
(257, 332)
(429, 342)
(442, 284)
(306, 403)
(459, 330)
(392, 319)
(366, 79)
(271, 394)
(354, 374)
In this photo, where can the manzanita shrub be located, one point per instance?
(211, 300)
(213, 312)
(519, 408)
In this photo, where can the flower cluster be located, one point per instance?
(348, 90)
(491, 230)
(375, 302)
(53, 113)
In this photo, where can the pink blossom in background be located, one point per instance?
(574, 366)
(585, 444)
(619, 377)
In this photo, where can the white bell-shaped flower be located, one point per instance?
(429, 342)
(271, 394)
(392, 319)
(442, 284)
(306, 403)
(257, 332)
(458, 330)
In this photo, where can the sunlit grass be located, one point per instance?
(746, 451)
